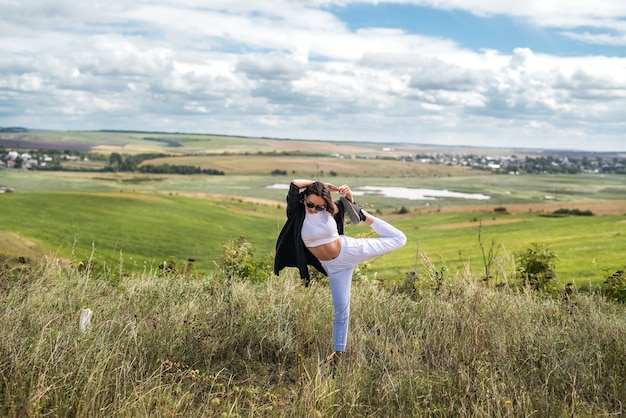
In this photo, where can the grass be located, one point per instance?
(588, 249)
(200, 345)
(143, 230)
(198, 342)
(318, 166)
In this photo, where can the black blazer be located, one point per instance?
(290, 249)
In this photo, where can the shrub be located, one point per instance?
(239, 263)
(536, 266)
(575, 212)
(616, 286)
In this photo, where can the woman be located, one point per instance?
(313, 235)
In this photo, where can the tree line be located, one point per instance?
(131, 163)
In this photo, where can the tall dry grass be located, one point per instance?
(183, 345)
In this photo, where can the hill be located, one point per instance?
(140, 220)
(183, 345)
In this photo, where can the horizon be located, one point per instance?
(382, 144)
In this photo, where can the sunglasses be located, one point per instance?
(312, 205)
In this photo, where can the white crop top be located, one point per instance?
(319, 229)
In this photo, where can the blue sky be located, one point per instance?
(537, 74)
(500, 32)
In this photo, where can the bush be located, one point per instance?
(536, 266)
(239, 263)
(616, 286)
(575, 212)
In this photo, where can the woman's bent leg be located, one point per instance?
(393, 237)
(390, 238)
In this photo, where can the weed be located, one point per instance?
(239, 263)
(536, 266)
(616, 286)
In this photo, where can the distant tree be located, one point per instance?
(402, 210)
(115, 161)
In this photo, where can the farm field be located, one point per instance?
(177, 331)
(137, 221)
(180, 144)
(141, 230)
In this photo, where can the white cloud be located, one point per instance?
(292, 69)
(598, 39)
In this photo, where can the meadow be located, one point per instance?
(184, 344)
(189, 321)
(140, 221)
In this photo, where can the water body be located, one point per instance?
(404, 193)
(419, 194)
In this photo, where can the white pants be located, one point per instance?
(355, 251)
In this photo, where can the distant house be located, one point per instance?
(31, 163)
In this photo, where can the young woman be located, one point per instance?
(314, 235)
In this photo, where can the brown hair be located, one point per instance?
(319, 189)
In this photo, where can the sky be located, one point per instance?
(547, 74)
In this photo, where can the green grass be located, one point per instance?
(588, 249)
(504, 190)
(142, 230)
(134, 142)
(196, 343)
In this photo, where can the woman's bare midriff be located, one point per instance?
(328, 251)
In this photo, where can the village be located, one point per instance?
(557, 163)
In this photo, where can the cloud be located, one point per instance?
(271, 66)
(294, 69)
(598, 39)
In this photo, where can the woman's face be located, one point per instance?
(314, 203)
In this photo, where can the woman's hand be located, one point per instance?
(344, 190)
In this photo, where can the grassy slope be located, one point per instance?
(198, 346)
(184, 346)
(147, 229)
(587, 247)
(151, 230)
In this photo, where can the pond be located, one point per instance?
(404, 192)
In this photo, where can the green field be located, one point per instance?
(136, 220)
(140, 231)
(210, 342)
